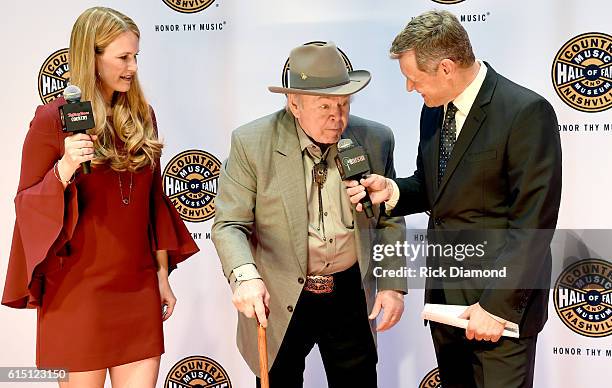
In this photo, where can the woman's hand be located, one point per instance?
(168, 300)
(78, 148)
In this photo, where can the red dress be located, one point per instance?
(86, 260)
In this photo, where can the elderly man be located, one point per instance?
(489, 167)
(289, 239)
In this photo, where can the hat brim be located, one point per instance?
(359, 79)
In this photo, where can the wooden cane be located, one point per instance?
(262, 347)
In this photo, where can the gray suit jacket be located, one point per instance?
(261, 218)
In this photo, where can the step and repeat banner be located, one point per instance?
(205, 66)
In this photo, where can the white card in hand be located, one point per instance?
(449, 315)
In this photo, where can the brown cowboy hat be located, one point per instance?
(319, 70)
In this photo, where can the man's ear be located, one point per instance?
(447, 67)
(292, 103)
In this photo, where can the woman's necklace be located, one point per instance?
(125, 200)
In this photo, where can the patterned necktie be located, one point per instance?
(447, 139)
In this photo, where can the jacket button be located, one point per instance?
(301, 280)
(290, 309)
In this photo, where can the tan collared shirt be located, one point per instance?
(331, 245)
(336, 250)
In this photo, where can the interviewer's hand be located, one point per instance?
(482, 326)
(379, 188)
(78, 148)
(252, 299)
(392, 304)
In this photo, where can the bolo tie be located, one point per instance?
(319, 175)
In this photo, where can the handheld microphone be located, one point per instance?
(353, 164)
(77, 116)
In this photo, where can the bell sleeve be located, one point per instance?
(46, 213)
(167, 229)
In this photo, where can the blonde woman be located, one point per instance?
(92, 252)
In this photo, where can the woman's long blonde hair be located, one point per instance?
(131, 121)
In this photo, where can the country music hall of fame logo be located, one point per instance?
(582, 72)
(286, 67)
(190, 181)
(197, 371)
(431, 380)
(448, 1)
(583, 297)
(53, 76)
(188, 6)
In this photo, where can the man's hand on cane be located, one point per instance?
(252, 299)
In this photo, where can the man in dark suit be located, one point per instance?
(489, 167)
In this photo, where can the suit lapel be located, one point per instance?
(471, 126)
(473, 123)
(433, 148)
(289, 168)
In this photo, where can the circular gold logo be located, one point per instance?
(197, 371)
(582, 72)
(188, 6)
(583, 297)
(190, 181)
(285, 76)
(431, 380)
(53, 76)
(448, 1)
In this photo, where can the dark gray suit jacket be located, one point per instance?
(502, 184)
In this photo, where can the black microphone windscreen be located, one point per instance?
(344, 144)
(72, 93)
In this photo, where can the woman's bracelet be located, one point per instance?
(57, 175)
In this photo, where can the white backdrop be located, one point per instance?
(204, 83)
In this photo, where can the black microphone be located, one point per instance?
(353, 164)
(77, 116)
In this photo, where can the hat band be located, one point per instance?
(306, 82)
